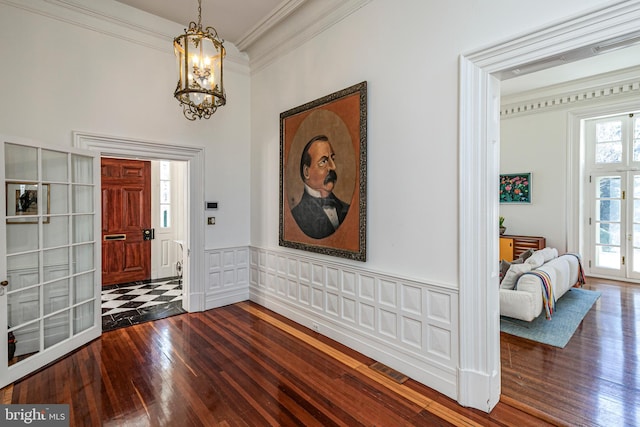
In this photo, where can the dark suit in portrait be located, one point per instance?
(312, 215)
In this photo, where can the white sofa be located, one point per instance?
(525, 301)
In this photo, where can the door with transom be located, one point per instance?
(50, 264)
(613, 196)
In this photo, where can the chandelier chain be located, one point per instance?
(199, 14)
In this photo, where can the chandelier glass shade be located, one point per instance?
(199, 54)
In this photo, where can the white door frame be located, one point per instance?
(479, 365)
(194, 268)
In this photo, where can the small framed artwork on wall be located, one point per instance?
(515, 188)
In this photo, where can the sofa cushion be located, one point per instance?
(512, 275)
(536, 260)
(548, 253)
(526, 254)
(504, 267)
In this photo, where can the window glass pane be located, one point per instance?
(56, 296)
(608, 187)
(165, 216)
(609, 152)
(23, 306)
(609, 142)
(22, 237)
(608, 210)
(609, 131)
(58, 199)
(56, 232)
(608, 234)
(83, 317)
(165, 191)
(23, 270)
(56, 264)
(83, 287)
(21, 162)
(54, 166)
(82, 169)
(165, 170)
(56, 329)
(608, 257)
(82, 258)
(27, 342)
(82, 199)
(82, 228)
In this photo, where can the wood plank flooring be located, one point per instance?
(243, 365)
(595, 379)
(240, 365)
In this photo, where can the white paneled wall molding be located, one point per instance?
(227, 276)
(614, 90)
(408, 325)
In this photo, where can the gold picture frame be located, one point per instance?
(336, 124)
(23, 202)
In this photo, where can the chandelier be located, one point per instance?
(199, 54)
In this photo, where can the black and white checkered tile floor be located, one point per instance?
(133, 303)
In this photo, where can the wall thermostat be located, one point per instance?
(211, 205)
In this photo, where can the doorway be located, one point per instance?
(193, 158)
(479, 166)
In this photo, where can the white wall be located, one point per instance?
(537, 144)
(64, 71)
(409, 57)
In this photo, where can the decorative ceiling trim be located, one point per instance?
(311, 18)
(282, 11)
(566, 99)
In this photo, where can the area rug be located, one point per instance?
(570, 310)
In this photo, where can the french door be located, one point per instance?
(49, 260)
(613, 160)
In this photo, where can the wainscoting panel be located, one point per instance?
(227, 276)
(407, 325)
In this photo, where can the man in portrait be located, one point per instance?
(320, 212)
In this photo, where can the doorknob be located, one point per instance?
(4, 283)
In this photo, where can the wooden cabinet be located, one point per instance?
(522, 243)
(506, 249)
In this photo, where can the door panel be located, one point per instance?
(126, 211)
(49, 261)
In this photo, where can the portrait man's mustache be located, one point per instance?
(331, 177)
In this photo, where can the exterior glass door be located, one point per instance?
(50, 298)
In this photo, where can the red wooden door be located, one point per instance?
(126, 212)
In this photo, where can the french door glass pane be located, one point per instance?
(82, 258)
(56, 233)
(22, 237)
(608, 187)
(82, 169)
(54, 166)
(82, 228)
(56, 328)
(608, 257)
(28, 343)
(83, 287)
(23, 306)
(608, 234)
(56, 264)
(82, 199)
(59, 203)
(56, 296)
(608, 210)
(23, 270)
(22, 162)
(83, 317)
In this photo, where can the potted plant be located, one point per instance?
(501, 225)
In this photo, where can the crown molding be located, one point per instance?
(120, 21)
(611, 85)
(310, 18)
(277, 15)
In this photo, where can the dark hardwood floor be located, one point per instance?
(595, 379)
(247, 366)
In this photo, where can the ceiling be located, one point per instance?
(236, 19)
(232, 19)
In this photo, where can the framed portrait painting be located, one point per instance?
(515, 188)
(323, 175)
